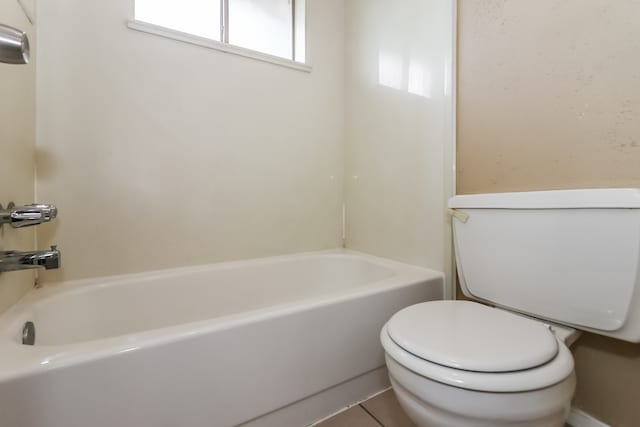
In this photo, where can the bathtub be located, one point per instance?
(270, 342)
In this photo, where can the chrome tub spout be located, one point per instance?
(13, 260)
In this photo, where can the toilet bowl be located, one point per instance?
(511, 385)
(568, 258)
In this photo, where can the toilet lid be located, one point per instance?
(473, 337)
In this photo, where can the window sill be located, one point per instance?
(212, 44)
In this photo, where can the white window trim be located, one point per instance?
(157, 30)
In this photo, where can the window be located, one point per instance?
(272, 27)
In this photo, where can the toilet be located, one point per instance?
(539, 267)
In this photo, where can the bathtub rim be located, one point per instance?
(18, 361)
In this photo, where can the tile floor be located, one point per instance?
(380, 411)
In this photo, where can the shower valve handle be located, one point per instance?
(28, 215)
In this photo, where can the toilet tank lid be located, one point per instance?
(602, 198)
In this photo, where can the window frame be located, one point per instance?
(225, 46)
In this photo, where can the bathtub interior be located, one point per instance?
(165, 299)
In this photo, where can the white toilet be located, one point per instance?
(543, 259)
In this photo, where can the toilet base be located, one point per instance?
(432, 404)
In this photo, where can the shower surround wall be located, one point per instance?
(17, 135)
(162, 154)
(399, 118)
(549, 97)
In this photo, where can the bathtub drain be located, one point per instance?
(29, 334)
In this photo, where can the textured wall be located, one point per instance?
(163, 154)
(549, 97)
(549, 94)
(17, 133)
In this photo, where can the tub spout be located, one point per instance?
(12, 260)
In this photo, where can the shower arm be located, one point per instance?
(14, 45)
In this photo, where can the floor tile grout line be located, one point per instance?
(371, 415)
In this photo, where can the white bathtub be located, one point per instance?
(221, 345)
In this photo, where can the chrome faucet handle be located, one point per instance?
(28, 215)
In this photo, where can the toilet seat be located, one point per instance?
(535, 377)
(472, 337)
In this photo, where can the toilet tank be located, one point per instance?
(570, 256)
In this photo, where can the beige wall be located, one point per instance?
(549, 94)
(17, 132)
(549, 97)
(163, 154)
(398, 129)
